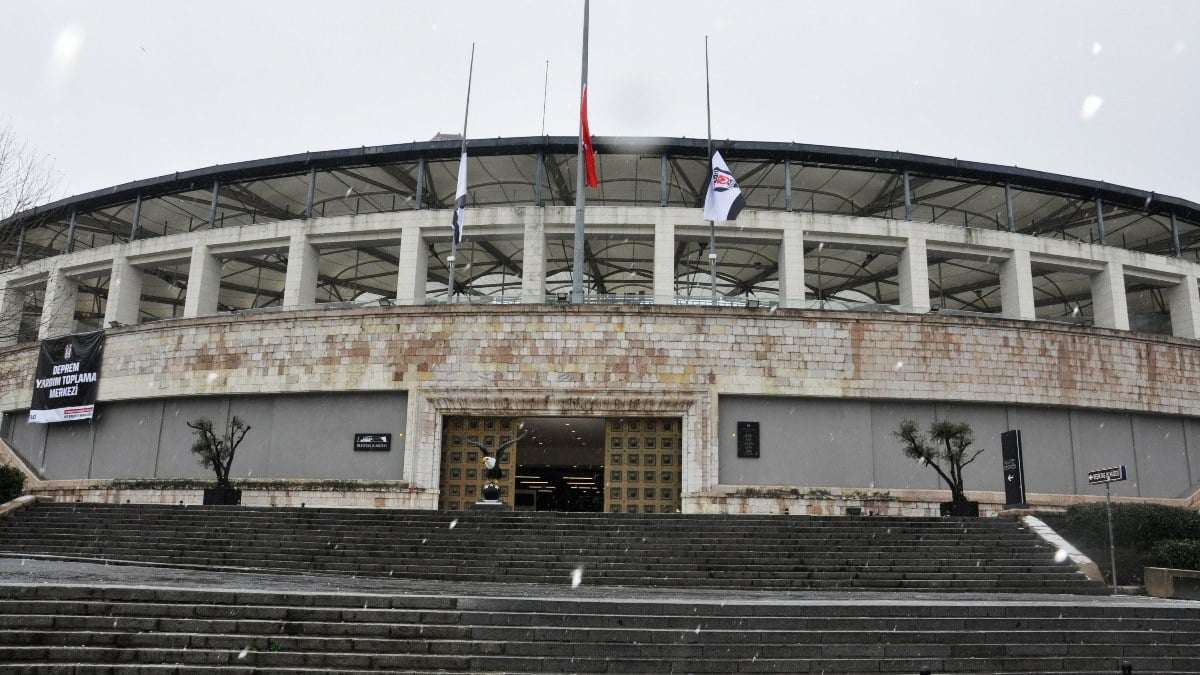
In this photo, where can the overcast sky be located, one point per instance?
(121, 91)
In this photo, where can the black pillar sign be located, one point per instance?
(1014, 468)
(67, 378)
(747, 439)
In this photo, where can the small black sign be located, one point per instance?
(373, 442)
(747, 439)
(1014, 468)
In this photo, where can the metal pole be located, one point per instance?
(420, 196)
(137, 219)
(1012, 223)
(20, 245)
(212, 207)
(1175, 236)
(712, 226)
(664, 191)
(1100, 219)
(462, 158)
(1112, 546)
(907, 197)
(70, 245)
(545, 91)
(540, 177)
(580, 198)
(787, 185)
(312, 192)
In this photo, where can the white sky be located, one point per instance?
(121, 91)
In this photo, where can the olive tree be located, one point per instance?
(945, 450)
(216, 451)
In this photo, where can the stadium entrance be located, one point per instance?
(575, 464)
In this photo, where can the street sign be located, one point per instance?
(1014, 468)
(1110, 474)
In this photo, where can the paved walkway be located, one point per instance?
(26, 571)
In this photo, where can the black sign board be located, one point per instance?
(1014, 468)
(373, 442)
(1110, 474)
(68, 375)
(747, 439)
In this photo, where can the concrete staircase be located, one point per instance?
(677, 551)
(76, 629)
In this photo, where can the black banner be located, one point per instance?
(1014, 468)
(68, 376)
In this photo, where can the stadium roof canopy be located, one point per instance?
(538, 171)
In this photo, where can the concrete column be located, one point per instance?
(914, 277)
(124, 293)
(414, 266)
(1108, 297)
(1185, 308)
(300, 285)
(664, 260)
(11, 304)
(204, 284)
(533, 259)
(791, 267)
(58, 306)
(1016, 287)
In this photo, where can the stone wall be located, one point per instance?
(634, 355)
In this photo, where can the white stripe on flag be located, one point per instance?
(460, 199)
(724, 200)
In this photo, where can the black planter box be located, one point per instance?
(961, 509)
(222, 496)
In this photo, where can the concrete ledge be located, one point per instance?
(267, 492)
(1166, 582)
(16, 504)
(1085, 564)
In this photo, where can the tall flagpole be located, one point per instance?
(577, 263)
(462, 157)
(712, 228)
(545, 92)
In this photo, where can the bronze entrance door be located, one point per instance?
(462, 463)
(643, 472)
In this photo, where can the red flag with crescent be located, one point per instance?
(589, 152)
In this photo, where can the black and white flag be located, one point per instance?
(724, 200)
(460, 199)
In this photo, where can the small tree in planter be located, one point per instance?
(216, 453)
(945, 451)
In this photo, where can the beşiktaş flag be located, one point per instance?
(724, 200)
(67, 377)
(460, 199)
(589, 151)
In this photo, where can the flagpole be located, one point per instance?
(712, 228)
(462, 157)
(545, 92)
(577, 263)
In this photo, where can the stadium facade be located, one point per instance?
(308, 295)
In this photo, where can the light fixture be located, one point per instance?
(385, 302)
(752, 304)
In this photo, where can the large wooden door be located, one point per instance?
(643, 472)
(462, 463)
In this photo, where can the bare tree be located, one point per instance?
(27, 179)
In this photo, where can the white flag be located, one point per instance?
(724, 200)
(460, 199)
